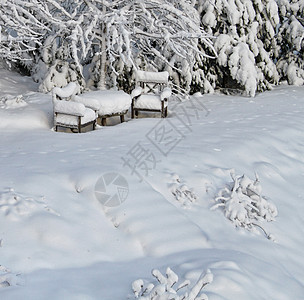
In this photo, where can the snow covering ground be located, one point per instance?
(58, 240)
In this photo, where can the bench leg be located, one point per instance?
(79, 124)
(103, 121)
(122, 118)
(162, 109)
(132, 109)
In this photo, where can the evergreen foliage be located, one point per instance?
(240, 45)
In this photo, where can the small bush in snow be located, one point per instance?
(169, 289)
(244, 205)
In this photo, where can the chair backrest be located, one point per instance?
(152, 81)
(67, 92)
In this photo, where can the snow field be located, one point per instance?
(58, 242)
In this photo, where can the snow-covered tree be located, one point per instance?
(245, 44)
(67, 47)
(22, 28)
(154, 34)
(114, 37)
(291, 41)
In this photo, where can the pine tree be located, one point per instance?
(291, 41)
(245, 42)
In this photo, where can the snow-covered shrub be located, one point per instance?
(168, 287)
(243, 204)
(59, 75)
(182, 192)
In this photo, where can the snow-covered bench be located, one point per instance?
(109, 103)
(151, 93)
(68, 113)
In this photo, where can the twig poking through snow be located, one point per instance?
(182, 192)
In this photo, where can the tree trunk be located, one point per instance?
(103, 56)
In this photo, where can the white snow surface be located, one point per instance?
(57, 241)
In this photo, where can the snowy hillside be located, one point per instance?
(58, 240)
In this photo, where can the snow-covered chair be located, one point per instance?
(151, 93)
(71, 114)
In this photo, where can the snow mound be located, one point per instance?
(10, 101)
(14, 206)
(9, 279)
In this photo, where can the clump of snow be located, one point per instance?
(136, 92)
(90, 103)
(68, 91)
(69, 107)
(244, 205)
(108, 102)
(154, 77)
(166, 93)
(169, 288)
